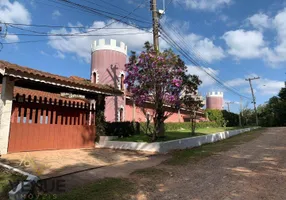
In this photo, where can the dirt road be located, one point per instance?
(253, 170)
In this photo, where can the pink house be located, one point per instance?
(108, 59)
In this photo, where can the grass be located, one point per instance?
(181, 157)
(173, 135)
(6, 176)
(107, 189)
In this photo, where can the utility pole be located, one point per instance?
(155, 24)
(228, 103)
(253, 97)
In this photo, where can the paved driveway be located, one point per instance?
(46, 164)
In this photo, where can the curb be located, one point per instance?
(19, 193)
(165, 147)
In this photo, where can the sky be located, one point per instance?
(233, 39)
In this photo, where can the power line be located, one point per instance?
(172, 43)
(95, 10)
(72, 35)
(191, 49)
(62, 26)
(116, 6)
(92, 30)
(77, 34)
(194, 53)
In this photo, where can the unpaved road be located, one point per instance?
(253, 170)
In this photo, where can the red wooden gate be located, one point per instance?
(50, 124)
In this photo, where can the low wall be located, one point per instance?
(24, 187)
(106, 138)
(164, 147)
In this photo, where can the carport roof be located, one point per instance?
(25, 73)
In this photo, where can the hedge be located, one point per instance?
(121, 129)
(125, 129)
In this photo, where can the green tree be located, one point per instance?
(215, 115)
(273, 113)
(282, 94)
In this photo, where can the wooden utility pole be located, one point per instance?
(253, 96)
(155, 24)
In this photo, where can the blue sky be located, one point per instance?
(236, 39)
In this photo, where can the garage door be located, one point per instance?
(48, 125)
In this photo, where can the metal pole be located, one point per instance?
(155, 25)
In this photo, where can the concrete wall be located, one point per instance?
(183, 116)
(6, 102)
(164, 147)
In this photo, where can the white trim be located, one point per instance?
(215, 94)
(2, 71)
(119, 78)
(118, 113)
(97, 76)
(58, 84)
(164, 147)
(101, 45)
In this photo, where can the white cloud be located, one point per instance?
(197, 45)
(262, 86)
(251, 44)
(208, 51)
(278, 54)
(236, 82)
(14, 12)
(44, 53)
(203, 76)
(260, 21)
(269, 87)
(223, 17)
(81, 46)
(245, 44)
(56, 14)
(11, 38)
(208, 5)
(60, 55)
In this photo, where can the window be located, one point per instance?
(122, 82)
(148, 117)
(94, 77)
(121, 115)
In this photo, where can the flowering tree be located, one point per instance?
(156, 77)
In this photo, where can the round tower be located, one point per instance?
(107, 67)
(214, 100)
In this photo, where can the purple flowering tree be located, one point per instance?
(156, 77)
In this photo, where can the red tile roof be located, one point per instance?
(73, 81)
(54, 96)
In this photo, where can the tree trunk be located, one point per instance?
(193, 123)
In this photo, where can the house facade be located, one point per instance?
(43, 111)
(108, 59)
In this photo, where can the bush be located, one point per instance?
(216, 115)
(121, 129)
